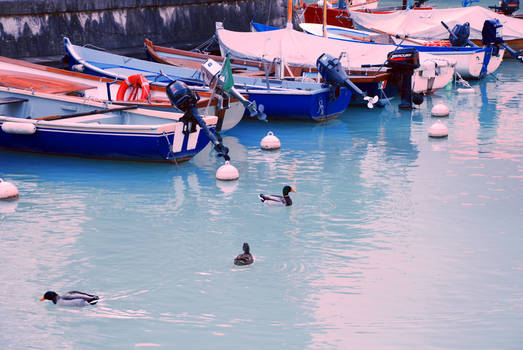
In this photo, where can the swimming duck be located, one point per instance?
(72, 298)
(278, 200)
(245, 258)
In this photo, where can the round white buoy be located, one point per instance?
(440, 110)
(438, 129)
(270, 142)
(466, 91)
(8, 190)
(227, 172)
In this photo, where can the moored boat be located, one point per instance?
(301, 49)
(369, 80)
(29, 76)
(426, 24)
(471, 62)
(46, 123)
(282, 99)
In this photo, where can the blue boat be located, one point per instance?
(66, 125)
(281, 99)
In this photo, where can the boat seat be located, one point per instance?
(10, 100)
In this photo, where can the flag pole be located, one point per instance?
(324, 18)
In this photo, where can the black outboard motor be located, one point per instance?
(460, 35)
(506, 7)
(185, 100)
(333, 73)
(403, 62)
(491, 34)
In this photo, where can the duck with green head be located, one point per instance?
(284, 200)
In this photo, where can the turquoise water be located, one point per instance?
(395, 240)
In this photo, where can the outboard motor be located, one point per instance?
(185, 100)
(333, 74)
(403, 62)
(211, 71)
(506, 7)
(459, 35)
(491, 34)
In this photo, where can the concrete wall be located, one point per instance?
(35, 28)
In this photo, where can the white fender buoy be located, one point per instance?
(18, 128)
(270, 142)
(466, 91)
(8, 190)
(440, 110)
(438, 129)
(227, 172)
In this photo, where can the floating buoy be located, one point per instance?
(440, 110)
(438, 129)
(270, 142)
(227, 172)
(466, 91)
(8, 190)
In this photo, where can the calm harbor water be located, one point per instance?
(394, 241)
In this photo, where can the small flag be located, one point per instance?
(226, 73)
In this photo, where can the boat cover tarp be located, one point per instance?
(298, 48)
(426, 23)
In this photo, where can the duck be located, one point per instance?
(284, 200)
(245, 258)
(72, 298)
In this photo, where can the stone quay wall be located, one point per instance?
(35, 28)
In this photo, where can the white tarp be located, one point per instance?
(426, 24)
(299, 49)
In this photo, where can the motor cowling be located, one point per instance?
(460, 35)
(181, 96)
(333, 73)
(491, 34)
(403, 59)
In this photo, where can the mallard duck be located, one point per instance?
(72, 298)
(245, 258)
(278, 200)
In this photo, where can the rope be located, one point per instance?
(206, 44)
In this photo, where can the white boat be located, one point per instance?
(300, 49)
(469, 60)
(25, 75)
(32, 121)
(426, 23)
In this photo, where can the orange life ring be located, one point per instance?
(137, 82)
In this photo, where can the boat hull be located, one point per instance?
(318, 106)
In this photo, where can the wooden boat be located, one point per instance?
(471, 62)
(301, 50)
(371, 81)
(29, 76)
(48, 123)
(282, 99)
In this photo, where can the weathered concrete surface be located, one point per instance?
(35, 28)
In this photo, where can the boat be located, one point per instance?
(29, 76)
(281, 99)
(426, 24)
(48, 123)
(300, 49)
(471, 62)
(371, 81)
